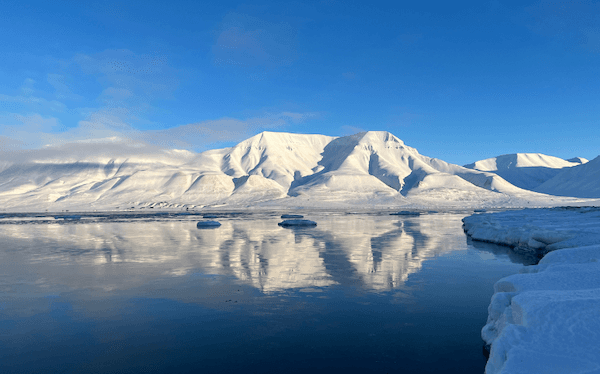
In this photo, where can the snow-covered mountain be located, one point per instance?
(272, 169)
(525, 170)
(578, 181)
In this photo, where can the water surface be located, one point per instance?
(358, 293)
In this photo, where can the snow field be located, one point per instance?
(547, 319)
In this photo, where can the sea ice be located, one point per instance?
(297, 222)
(291, 216)
(547, 319)
(207, 224)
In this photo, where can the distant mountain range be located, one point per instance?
(280, 169)
(526, 170)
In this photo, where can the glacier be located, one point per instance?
(546, 319)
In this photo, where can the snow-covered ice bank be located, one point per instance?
(546, 320)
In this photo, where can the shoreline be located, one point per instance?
(547, 318)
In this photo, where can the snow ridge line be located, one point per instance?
(546, 319)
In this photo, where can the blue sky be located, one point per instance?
(460, 81)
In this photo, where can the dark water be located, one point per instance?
(358, 293)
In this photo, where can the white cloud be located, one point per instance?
(9, 144)
(202, 134)
(108, 126)
(27, 101)
(129, 83)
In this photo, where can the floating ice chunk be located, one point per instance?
(297, 222)
(291, 216)
(207, 224)
(405, 213)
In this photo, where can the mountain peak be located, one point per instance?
(525, 170)
(281, 139)
(277, 167)
(379, 136)
(520, 160)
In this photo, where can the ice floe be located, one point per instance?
(207, 224)
(291, 216)
(297, 222)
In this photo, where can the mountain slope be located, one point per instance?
(579, 181)
(277, 168)
(524, 170)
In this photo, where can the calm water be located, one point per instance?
(358, 293)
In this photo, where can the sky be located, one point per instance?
(460, 81)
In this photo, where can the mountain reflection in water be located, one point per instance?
(357, 293)
(372, 253)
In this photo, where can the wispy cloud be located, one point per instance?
(9, 144)
(114, 103)
(28, 99)
(108, 127)
(202, 134)
(119, 90)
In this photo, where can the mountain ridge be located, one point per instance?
(524, 170)
(373, 168)
(579, 181)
